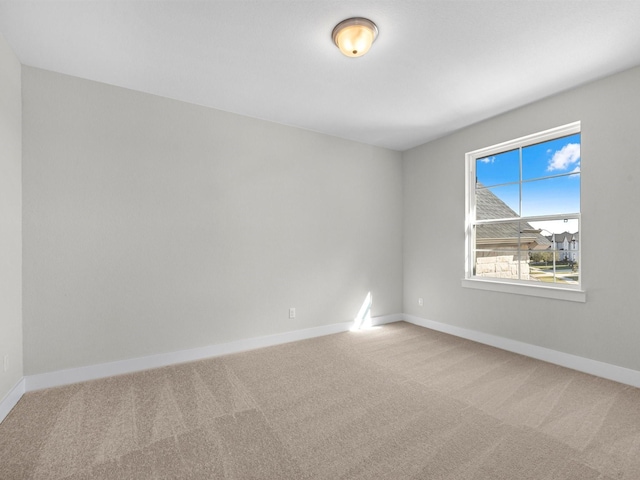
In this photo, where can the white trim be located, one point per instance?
(527, 140)
(11, 399)
(574, 362)
(532, 290)
(384, 319)
(75, 375)
(92, 372)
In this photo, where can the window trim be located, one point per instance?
(522, 287)
(505, 285)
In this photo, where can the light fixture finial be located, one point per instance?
(354, 36)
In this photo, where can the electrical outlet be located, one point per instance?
(420, 302)
(6, 363)
(292, 312)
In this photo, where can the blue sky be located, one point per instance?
(541, 195)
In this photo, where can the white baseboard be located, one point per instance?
(93, 372)
(384, 319)
(10, 400)
(574, 362)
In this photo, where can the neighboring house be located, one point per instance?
(504, 247)
(567, 245)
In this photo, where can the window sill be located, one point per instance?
(544, 291)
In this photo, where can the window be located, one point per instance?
(523, 212)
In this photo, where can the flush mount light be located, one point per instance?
(354, 36)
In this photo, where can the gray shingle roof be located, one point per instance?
(561, 236)
(488, 206)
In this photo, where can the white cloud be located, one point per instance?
(565, 158)
(487, 159)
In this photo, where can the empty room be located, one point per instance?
(319, 239)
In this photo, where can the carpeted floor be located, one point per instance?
(396, 402)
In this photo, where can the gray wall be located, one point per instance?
(10, 219)
(152, 225)
(607, 327)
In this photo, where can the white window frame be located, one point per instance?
(523, 287)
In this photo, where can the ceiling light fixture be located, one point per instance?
(354, 36)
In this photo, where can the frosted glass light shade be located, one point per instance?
(354, 36)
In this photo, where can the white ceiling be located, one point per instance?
(436, 66)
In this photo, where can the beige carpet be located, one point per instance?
(397, 402)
